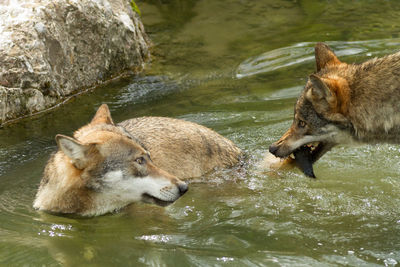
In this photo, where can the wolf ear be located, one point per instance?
(324, 56)
(320, 90)
(73, 150)
(326, 101)
(320, 95)
(102, 115)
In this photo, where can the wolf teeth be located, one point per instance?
(312, 146)
(292, 156)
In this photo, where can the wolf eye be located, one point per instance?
(140, 160)
(301, 124)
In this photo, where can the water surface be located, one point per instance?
(236, 67)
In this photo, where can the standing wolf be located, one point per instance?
(105, 167)
(342, 103)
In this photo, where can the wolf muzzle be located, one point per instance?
(183, 188)
(273, 149)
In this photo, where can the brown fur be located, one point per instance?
(341, 91)
(106, 166)
(183, 148)
(325, 57)
(346, 102)
(368, 96)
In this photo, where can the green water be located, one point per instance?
(237, 67)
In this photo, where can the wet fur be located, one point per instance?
(183, 148)
(106, 166)
(344, 103)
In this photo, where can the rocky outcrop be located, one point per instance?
(52, 49)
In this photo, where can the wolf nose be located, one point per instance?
(183, 187)
(273, 148)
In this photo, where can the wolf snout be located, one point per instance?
(183, 188)
(279, 150)
(273, 149)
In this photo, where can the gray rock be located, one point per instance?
(52, 49)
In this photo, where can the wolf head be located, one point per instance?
(101, 169)
(321, 112)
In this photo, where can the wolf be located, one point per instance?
(343, 103)
(105, 166)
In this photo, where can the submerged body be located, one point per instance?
(105, 167)
(344, 103)
(184, 149)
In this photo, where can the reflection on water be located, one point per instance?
(304, 52)
(237, 67)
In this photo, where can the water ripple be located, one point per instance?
(301, 53)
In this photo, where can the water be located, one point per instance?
(237, 67)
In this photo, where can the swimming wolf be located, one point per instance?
(343, 103)
(107, 166)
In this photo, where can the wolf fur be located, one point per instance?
(344, 103)
(105, 167)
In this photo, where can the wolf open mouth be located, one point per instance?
(306, 155)
(153, 200)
